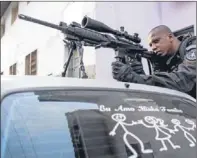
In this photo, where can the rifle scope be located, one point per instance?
(89, 23)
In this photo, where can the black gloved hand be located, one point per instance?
(120, 70)
(137, 67)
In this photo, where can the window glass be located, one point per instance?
(97, 124)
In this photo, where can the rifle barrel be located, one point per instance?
(83, 34)
(27, 18)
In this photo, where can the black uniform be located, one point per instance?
(178, 72)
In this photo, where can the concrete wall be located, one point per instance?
(178, 15)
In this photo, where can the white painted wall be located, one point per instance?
(178, 15)
(24, 37)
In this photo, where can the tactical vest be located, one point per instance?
(186, 45)
(169, 64)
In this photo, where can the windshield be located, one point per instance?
(97, 124)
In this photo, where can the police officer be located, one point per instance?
(175, 68)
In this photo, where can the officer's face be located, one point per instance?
(160, 43)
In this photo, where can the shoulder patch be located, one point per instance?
(191, 55)
(190, 47)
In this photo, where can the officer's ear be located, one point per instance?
(171, 37)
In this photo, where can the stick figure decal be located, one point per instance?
(160, 127)
(188, 136)
(191, 123)
(162, 131)
(120, 118)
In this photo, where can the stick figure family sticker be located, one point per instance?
(160, 129)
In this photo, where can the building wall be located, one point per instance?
(24, 37)
(91, 71)
(178, 15)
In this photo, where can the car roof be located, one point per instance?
(19, 83)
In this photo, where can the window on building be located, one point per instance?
(13, 69)
(2, 29)
(14, 12)
(31, 63)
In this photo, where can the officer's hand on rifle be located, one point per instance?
(121, 71)
(118, 68)
(137, 67)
